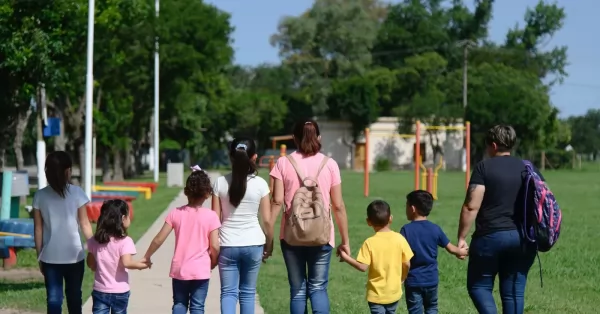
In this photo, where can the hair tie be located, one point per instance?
(241, 146)
(307, 122)
(196, 168)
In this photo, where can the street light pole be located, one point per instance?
(466, 44)
(89, 93)
(156, 99)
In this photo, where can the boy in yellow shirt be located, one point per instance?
(386, 255)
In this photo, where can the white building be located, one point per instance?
(386, 143)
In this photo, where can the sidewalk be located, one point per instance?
(151, 289)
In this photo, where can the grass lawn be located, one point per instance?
(31, 295)
(570, 273)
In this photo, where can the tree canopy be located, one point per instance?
(353, 60)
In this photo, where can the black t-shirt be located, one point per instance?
(502, 177)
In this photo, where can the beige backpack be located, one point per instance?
(308, 222)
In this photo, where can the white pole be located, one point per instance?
(89, 94)
(156, 100)
(94, 161)
(41, 143)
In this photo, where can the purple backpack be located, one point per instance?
(541, 214)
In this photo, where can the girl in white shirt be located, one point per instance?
(58, 214)
(239, 198)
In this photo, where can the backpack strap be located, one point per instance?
(322, 165)
(296, 168)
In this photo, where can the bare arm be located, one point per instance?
(91, 261)
(84, 222)
(470, 209)
(129, 263)
(38, 230)
(215, 248)
(265, 216)
(158, 240)
(216, 205)
(339, 212)
(405, 269)
(353, 262)
(275, 208)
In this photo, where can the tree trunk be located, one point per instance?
(117, 166)
(60, 141)
(2, 157)
(128, 164)
(106, 173)
(22, 122)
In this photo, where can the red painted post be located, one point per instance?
(430, 180)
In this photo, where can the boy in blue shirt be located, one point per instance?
(424, 237)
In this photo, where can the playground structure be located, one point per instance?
(146, 191)
(15, 233)
(418, 162)
(268, 160)
(429, 177)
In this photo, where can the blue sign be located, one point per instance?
(52, 128)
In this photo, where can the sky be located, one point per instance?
(256, 20)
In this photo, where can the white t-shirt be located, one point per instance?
(240, 226)
(61, 242)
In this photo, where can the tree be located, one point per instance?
(331, 40)
(585, 132)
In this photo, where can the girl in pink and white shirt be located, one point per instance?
(196, 245)
(110, 253)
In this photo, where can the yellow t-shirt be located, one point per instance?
(384, 252)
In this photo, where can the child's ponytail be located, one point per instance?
(242, 153)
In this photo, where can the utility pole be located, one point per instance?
(466, 44)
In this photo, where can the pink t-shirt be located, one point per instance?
(329, 177)
(111, 276)
(192, 226)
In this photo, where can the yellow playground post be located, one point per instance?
(144, 190)
(435, 178)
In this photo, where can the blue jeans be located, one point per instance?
(109, 303)
(308, 274)
(69, 277)
(421, 300)
(502, 253)
(383, 308)
(238, 269)
(189, 294)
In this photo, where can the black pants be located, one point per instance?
(69, 277)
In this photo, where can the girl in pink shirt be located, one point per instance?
(196, 245)
(109, 255)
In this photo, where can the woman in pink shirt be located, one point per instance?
(196, 245)
(109, 255)
(303, 260)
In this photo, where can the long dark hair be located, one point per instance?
(110, 223)
(241, 151)
(57, 164)
(306, 135)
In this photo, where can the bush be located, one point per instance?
(383, 164)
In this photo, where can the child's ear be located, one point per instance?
(391, 218)
(368, 222)
(413, 209)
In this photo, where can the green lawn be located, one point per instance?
(31, 295)
(570, 270)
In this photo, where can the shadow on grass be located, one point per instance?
(20, 286)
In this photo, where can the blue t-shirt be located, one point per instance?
(424, 237)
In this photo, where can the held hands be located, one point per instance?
(146, 262)
(343, 249)
(267, 251)
(463, 249)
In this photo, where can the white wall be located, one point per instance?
(385, 142)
